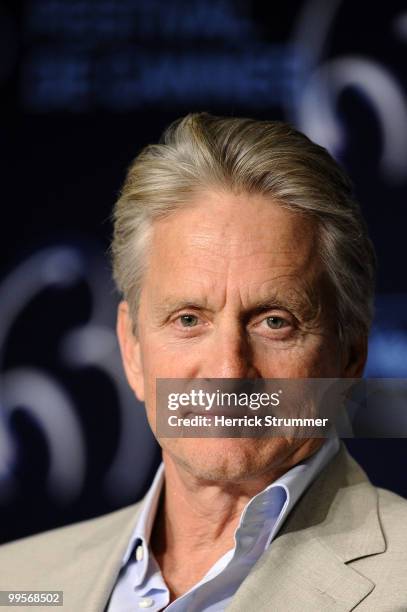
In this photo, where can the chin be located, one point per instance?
(229, 459)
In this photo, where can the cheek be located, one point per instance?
(313, 357)
(166, 360)
(162, 360)
(164, 355)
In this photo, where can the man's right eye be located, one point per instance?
(188, 320)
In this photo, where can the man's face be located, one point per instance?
(234, 288)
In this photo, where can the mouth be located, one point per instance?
(228, 411)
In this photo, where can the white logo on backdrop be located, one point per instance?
(44, 398)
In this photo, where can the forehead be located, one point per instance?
(245, 241)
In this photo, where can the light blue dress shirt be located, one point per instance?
(140, 584)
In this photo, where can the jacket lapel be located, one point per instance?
(96, 563)
(305, 568)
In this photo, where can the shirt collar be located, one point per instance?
(144, 526)
(271, 506)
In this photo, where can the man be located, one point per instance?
(240, 253)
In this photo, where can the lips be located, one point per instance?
(234, 411)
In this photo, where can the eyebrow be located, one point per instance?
(305, 304)
(163, 310)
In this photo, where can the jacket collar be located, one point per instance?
(335, 522)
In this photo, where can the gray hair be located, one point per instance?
(270, 158)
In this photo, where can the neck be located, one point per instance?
(197, 517)
(196, 521)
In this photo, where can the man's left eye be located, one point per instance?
(276, 322)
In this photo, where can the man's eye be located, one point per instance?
(188, 320)
(276, 322)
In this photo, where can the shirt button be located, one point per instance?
(139, 553)
(146, 602)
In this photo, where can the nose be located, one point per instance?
(231, 356)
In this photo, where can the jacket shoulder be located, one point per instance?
(25, 558)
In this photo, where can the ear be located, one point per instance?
(355, 357)
(130, 350)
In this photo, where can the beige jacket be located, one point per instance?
(342, 548)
